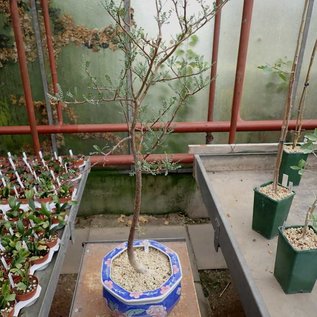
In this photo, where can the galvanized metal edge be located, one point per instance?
(250, 296)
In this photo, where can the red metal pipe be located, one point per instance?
(128, 159)
(178, 127)
(241, 64)
(50, 48)
(214, 65)
(24, 74)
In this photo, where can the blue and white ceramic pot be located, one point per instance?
(153, 303)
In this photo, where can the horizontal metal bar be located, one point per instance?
(176, 127)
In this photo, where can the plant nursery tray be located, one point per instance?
(226, 176)
(88, 299)
(49, 276)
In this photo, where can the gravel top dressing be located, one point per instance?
(156, 263)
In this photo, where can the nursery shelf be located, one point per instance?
(49, 276)
(88, 300)
(226, 176)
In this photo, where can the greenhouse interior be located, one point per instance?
(158, 158)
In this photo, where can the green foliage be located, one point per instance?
(299, 167)
(310, 145)
(6, 295)
(280, 73)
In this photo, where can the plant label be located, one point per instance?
(4, 262)
(284, 180)
(11, 280)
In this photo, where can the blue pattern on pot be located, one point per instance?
(153, 303)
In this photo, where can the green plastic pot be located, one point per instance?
(295, 270)
(288, 160)
(269, 214)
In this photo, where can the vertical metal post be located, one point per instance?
(44, 4)
(24, 74)
(38, 38)
(241, 64)
(213, 72)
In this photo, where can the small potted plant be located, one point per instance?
(39, 252)
(15, 211)
(272, 200)
(295, 154)
(7, 300)
(26, 288)
(296, 256)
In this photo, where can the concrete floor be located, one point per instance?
(199, 239)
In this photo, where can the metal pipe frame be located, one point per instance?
(177, 127)
(236, 124)
(241, 65)
(24, 74)
(213, 71)
(51, 56)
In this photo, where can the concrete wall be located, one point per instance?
(112, 192)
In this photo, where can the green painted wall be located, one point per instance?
(112, 192)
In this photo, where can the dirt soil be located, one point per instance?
(221, 293)
(217, 286)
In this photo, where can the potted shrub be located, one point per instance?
(27, 286)
(7, 300)
(162, 61)
(296, 256)
(272, 201)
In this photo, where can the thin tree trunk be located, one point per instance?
(137, 194)
(308, 217)
(301, 106)
(288, 103)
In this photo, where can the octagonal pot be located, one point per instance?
(157, 302)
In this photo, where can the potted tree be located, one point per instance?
(296, 256)
(294, 154)
(272, 201)
(149, 61)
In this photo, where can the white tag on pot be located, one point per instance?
(41, 155)
(4, 182)
(11, 231)
(71, 153)
(60, 160)
(24, 245)
(284, 180)
(55, 156)
(35, 235)
(19, 179)
(11, 280)
(24, 155)
(146, 246)
(4, 262)
(58, 181)
(9, 154)
(2, 247)
(11, 162)
(290, 186)
(16, 192)
(52, 173)
(65, 165)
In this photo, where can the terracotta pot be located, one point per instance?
(7, 313)
(30, 294)
(42, 259)
(51, 243)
